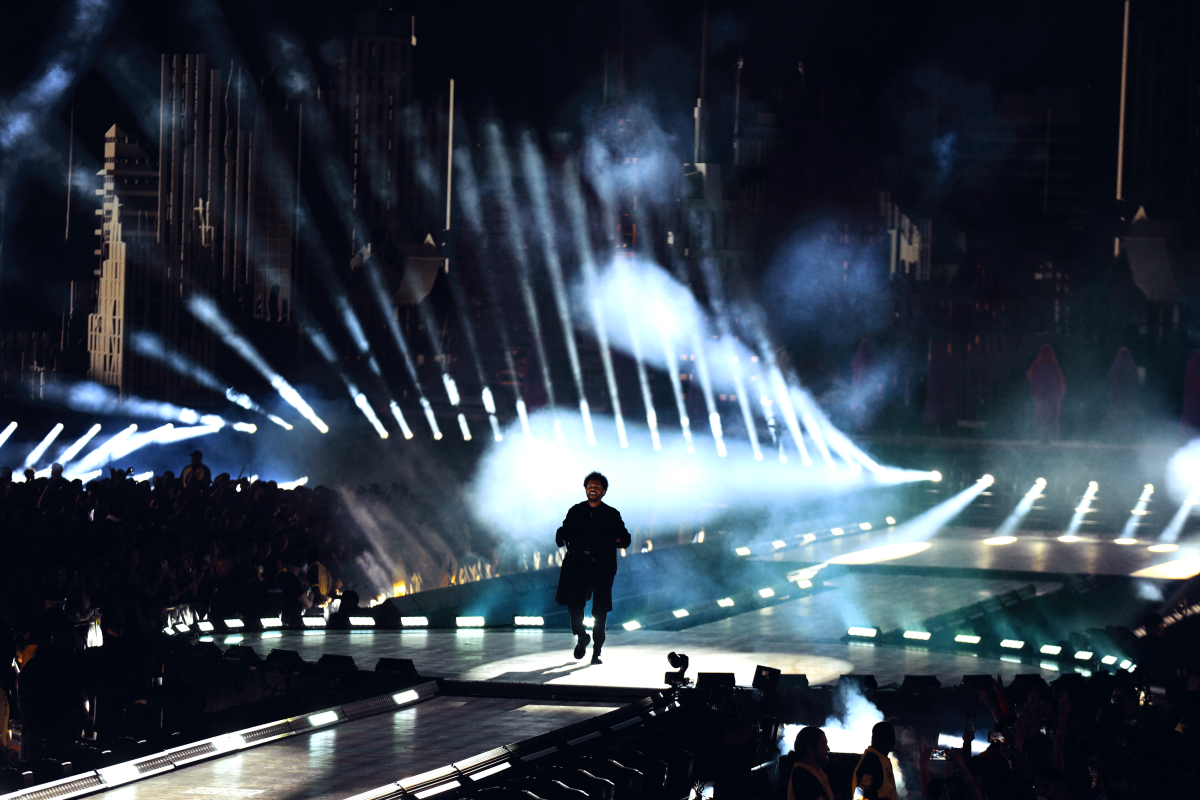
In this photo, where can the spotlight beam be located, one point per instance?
(38, 451)
(1084, 506)
(468, 193)
(587, 261)
(204, 309)
(1139, 511)
(101, 454)
(75, 449)
(1175, 526)
(517, 236)
(7, 432)
(1018, 514)
(535, 181)
(643, 379)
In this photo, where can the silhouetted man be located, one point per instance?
(808, 780)
(873, 777)
(592, 534)
(196, 474)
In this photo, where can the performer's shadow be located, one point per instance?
(543, 674)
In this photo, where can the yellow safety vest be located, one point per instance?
(885, 792)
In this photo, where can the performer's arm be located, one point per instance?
(562, 537)
(623, 537)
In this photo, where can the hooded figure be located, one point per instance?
(941, 388)
(1046, 380)
(1191, 395)
(1122, 394)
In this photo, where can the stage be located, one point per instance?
(805, 635)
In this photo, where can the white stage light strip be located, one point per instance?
(523, 415)
(38, 451)
(245, 427)
(462, 426)
(433, 426)
(400, 420)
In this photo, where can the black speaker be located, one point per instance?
(917, 684)
(241, 655)
(715, 680)
(399, 667)
(336, 663)
(766, 679)
(288, 660)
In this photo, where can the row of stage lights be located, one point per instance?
(970, 642)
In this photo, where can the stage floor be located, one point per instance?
(796, 636)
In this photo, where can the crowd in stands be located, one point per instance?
(113, 561)
(1102, 737)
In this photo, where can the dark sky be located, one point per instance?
(534, 63)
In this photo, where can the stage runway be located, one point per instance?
(802, 635)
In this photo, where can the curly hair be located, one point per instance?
(596, 476)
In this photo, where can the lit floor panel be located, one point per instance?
(1033, 551)
(351, 758)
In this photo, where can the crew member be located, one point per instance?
(808, 780)
(873, 778)
(592, 534)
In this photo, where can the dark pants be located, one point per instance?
(578, 629)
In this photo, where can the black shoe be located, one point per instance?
(581, 645)
(596, 656)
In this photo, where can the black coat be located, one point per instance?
(592, 537)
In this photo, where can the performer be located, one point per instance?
(592, 532)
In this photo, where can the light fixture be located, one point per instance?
(767, 592)
(804, 583)
(810, 537)
(271, 622)
(1126, 664)
(589, 622)
(869, 633)
(742, 551)
(414, 622)
(528, 622)
(1163, 548)
(181, 627)
(836, 531)
(921, 635)
(632, 625)
(1125, 541)
(118, 774)
(407, 696)
(469, 622)
(234, 623)
(313, 622)
(1069, 537)
(866, 526)
(778, 543)
(204, 625)
(1050, 650)
(366, 622)
(1000, 540)
(323, 718)
(1012, 644)
(1083, 655)
(966, 638)
(1110, 660)
(935, 476)
(890, 520)
(725, 602)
